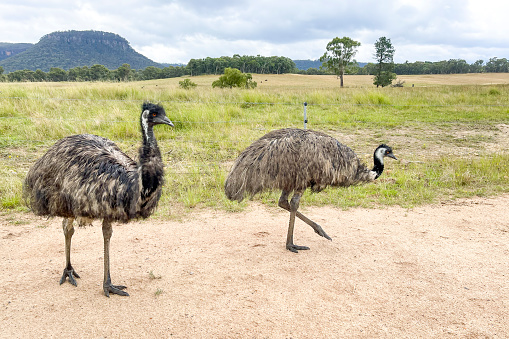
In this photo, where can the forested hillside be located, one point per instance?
(71, 49)
(8, 49)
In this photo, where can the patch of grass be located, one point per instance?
(451, 130)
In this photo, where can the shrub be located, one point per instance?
(233, 77)
(187, 84)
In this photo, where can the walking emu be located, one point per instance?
(292, 160)
(88, 177)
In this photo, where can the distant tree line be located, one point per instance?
(452, 66)
(94, 73)
(246, 64)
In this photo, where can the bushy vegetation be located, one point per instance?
(245, 63)
(451, 66)
(187, 84)
(94, 73)
(444, 136)
(232, 77)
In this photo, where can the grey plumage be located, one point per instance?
(88, 177)
(293, 160)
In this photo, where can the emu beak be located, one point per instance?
(164, 120)
(390, 155)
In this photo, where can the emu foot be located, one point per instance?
(295, 248)
(115, 289)
(69, 273)
(322, 233)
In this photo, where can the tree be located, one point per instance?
(477, 67)
(39, 75)
(123, 72)
(99, 72)
(187, 84)
(496, 65)
(151, 72)
(384, 56)
(57, 74)
(339, 56)
(233, 77)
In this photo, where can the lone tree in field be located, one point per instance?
(384, 54)
(339, 56)
(233, 77)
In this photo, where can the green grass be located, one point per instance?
(448, 138)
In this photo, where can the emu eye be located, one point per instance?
(154, 114)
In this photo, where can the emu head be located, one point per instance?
(153, 114)
(383, 151)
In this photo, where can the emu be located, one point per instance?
(87, 177)
(292, 160)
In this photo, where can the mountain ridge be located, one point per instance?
(69, 49)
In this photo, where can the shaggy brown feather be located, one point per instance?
(84, 176)
(292, 160)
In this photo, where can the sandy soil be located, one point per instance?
(437, 271)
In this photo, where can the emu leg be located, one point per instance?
(107, 286)
(283, 203)
(294, 205)
(67, 225)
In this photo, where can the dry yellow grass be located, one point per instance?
(318, 82)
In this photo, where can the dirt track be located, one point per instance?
(436, 271)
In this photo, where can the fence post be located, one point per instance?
(305, 115)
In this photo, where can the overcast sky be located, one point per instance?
(175, 31)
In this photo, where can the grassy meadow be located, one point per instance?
(450, 133)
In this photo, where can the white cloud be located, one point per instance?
(178, 30)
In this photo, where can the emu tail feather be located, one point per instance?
(235, 185)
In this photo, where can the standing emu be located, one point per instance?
(292, 160)
(87, 177)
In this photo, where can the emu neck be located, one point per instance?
(149, 148)
(379, 166)
(150, 164)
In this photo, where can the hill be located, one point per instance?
(8, 49)
(76, 49)
(304, 65)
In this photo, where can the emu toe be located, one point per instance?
(295, 248)
(321, 232)
(115, 289)
(69, 273)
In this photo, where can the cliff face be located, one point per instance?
(76, 49)
(88, 38)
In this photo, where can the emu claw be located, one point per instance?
(115, 289)
(319, 230)
(323, 234)
(69, 273)
(295, 249)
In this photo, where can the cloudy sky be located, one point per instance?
(175, 31)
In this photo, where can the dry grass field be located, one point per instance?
(329, 81)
